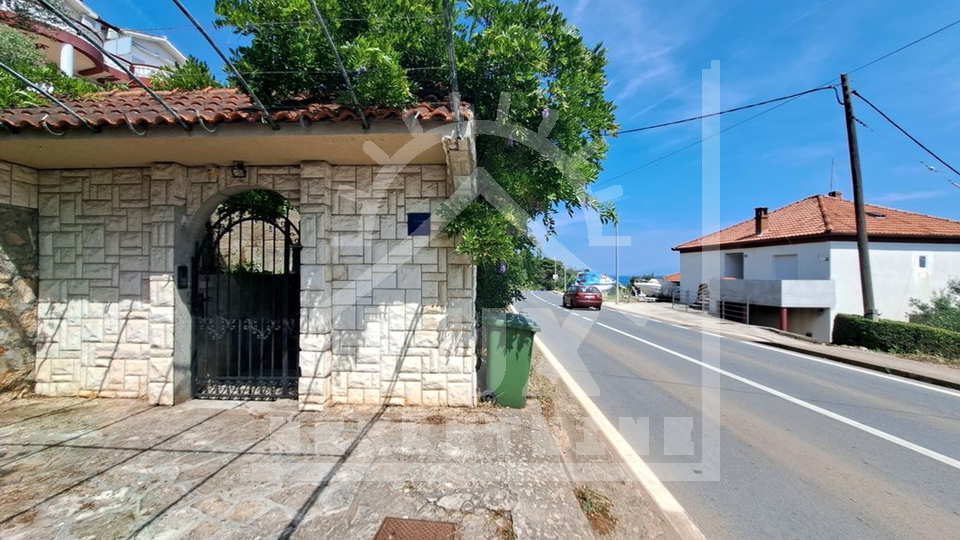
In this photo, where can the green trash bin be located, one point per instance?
(509, 349)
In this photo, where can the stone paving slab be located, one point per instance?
(79, 468)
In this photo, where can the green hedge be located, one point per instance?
(895, 336)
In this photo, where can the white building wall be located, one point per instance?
(813, 262)
(897, 276)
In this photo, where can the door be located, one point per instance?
(246, 307)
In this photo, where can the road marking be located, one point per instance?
(673, 512)
(865, 371)
(946, 460)
(874, 373)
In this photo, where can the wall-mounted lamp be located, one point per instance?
(239, 170)
(746, 256)
(823, 257)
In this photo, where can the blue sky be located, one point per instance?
(765, 49)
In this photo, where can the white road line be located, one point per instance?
(865, 371)
(858, 369)
(674, 513)
(946, 460)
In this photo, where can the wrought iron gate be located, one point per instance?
(246, 308)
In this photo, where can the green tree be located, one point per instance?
(396, 51)
(943, 310)
(20, 52)
(194, 74)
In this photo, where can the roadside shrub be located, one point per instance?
(895, 336)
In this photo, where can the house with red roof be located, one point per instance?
(797, 267)
(143, 54)
(198, 246)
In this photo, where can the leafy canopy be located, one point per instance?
(395, 52)
(194, 74)
(943, 309)
(20, 52)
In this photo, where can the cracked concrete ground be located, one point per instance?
(78, 468)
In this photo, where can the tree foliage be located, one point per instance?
(20, 52)
(943, 309)
(396, 52)
(194, 74)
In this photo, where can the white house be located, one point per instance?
(797, 267)
(75, 54)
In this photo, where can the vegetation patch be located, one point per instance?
(504, 521)
(598, 509)
(897, 337)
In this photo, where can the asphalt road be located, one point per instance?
(761, 443)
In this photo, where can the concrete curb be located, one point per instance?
(954, 385)
(671, 510)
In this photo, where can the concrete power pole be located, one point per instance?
(863, 246)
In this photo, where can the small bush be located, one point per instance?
(895, 336)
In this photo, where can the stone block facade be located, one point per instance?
(19, 274)
(385, 317)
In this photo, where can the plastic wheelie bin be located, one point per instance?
(509, 348)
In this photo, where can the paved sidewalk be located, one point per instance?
(77, 468)
(942, 375)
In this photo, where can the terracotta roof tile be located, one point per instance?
(213, 105)
(822, 217)
(674, 277)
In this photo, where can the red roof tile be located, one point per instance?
(674, 277)
(824, 217)
(214, 105)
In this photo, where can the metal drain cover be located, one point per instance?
(415, 529)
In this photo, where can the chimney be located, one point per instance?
(835, 194)
(761, 220)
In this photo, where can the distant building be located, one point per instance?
(143, 54)
(798, 266)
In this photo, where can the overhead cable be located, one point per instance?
(909, 136)
(267, 117)
(43, 91)
(736, 109)
(119, 61)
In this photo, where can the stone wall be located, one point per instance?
(19, 274)
(402, 306)
(384, 316)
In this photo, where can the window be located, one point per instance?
(592, 290)
(418, 224)
(923, 261)
(733, 265)
(574, 288)
(785, 266)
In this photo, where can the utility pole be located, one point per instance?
(863, 246)
(616, 257)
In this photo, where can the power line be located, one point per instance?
(119, 61)
(425, 18)
(911, 137)
(736, 109)
(343, 70)
(267, 117)
(868, 64)
(43, 91)
(907, 46)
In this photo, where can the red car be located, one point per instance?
(582, 296)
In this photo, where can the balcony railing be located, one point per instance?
(91, 28)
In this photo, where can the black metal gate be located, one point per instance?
(246, 308)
